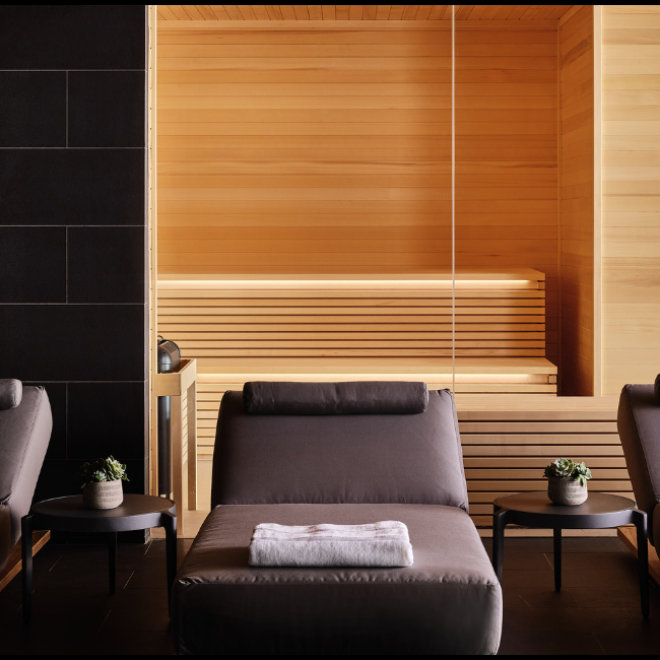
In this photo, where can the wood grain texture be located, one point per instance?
(358, 317)
(181, 386)
(268, 132)
(359, 12)
(507, 441)
(325, 149)
(576, 118)
(506, 153)
(631, 197)
(14, 562)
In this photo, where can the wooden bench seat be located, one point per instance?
(507, 440)
(473, 375)
(498, 314)
(339, 327)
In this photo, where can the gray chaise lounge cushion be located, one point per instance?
(324, 459)
(638, 422)
(24, 436)
(11, 393)
(448, 602)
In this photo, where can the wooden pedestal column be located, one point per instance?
(182, 387)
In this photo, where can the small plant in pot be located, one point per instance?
(101, 483)
(567, 481)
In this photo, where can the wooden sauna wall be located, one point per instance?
(631, 195)
(506, 152)
(301, 147)
(506, 445)
(576, 117)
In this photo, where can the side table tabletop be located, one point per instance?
(67, 514)
(600, 511)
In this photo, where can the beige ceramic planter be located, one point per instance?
(566, 491)
(103, 495)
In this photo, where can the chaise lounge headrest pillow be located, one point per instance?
(11, 393)
(656, 389)
(359, 398)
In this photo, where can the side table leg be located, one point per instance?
(112, 561)
(557, 552)
(640, 520)
(26, 558)
(499, 523)
(170, 535)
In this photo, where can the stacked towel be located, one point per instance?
(384, 544)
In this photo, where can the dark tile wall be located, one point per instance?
(73, 305)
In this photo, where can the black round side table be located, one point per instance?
(67, 514)
(600, 511)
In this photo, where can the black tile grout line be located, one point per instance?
(78, 304)
(80, 226)
(55, 564)
(73, 70)
(129, 579)
(81, 382)
(105, 618)
(600, 645)
(65, 148)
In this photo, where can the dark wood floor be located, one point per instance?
(597, 613)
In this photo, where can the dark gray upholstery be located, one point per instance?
(24, 436)
(638, 422)
(5, 535)
(448, 602)
(357, 398)
(323, 459)
(11, 393)
(342, 469)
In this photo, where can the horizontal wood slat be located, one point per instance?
(509, 454)
(294, 322)
(200, 14)
(326, 143)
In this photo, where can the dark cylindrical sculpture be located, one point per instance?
(169, 358)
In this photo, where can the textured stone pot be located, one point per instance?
(103, 495)
(566, 491)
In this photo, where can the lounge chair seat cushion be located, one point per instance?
(449, 601)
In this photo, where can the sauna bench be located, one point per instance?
(396, 326)
(507, 440)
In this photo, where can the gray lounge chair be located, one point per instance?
(638, 422)
(26, 423)
(342, 469)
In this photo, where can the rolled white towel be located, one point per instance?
(383, 544)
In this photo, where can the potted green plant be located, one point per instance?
(101, 483)
(567, 481)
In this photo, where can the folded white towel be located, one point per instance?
(383, 543)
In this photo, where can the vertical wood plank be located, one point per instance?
(598, 238)
(328, 12)
(578, 213)
(192, 446)
(631, 197)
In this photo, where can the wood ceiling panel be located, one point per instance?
(360, 12)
